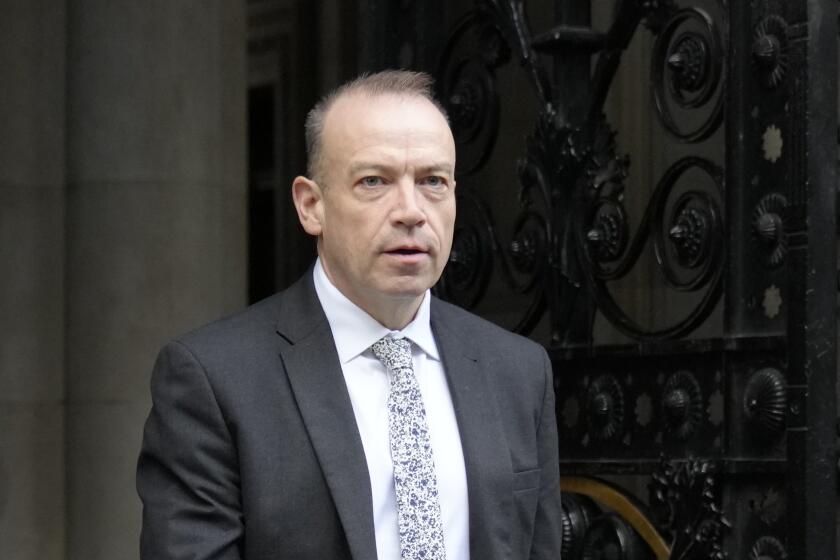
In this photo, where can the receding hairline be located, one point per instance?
(389, 83)
(349, 98)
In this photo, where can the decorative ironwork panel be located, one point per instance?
(733, 428)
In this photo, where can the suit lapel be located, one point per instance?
(487, 461)
(315, 375)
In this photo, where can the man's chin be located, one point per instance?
(405, 294)
(406, 291)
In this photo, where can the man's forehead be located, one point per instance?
(361, 108)
(390, 123)
(400, 140)
(425, 160)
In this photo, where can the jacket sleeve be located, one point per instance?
(548, 530)
(187, 474)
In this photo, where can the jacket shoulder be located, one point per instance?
(295, 309)
(246, 323)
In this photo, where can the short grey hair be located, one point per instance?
(397, 82)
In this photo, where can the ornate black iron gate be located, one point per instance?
(732, 427)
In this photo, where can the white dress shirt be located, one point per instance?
(368, 383)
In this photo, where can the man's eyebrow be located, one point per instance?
(437, 167)
(369, 166)
(441, 167)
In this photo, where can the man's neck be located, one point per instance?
(395, 317)
(393, 313)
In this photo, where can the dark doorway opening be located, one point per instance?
(261, 173)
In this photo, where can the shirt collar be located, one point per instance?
(354, 331)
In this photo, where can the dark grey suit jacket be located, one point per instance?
(251, 450)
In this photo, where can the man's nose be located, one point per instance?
(408, 208)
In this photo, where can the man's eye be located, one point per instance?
(372, 181)
(433, 181)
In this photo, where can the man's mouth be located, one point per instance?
(407, 255)
(406, 251)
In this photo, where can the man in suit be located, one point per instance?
(355, 416)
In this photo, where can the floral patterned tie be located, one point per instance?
(418, 508)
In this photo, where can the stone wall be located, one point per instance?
(32, 252)
(122, 223)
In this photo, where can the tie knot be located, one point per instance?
(394, 353)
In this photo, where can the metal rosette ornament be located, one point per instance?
(605, 408)
(688, 238)
(687, 74)
(765, 403)
(770, 51)
(603, 230)
(768, 229)
(682, 405)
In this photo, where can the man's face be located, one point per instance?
(387, 198)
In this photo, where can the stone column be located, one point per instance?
(31, 280)
(156, 227)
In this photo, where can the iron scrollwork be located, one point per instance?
(467, 87)
(572, 231)
(687, 244)
(471, 259)
(683, 496)
(476, 248)
(468, 90)
(689, 62)
(574, 236)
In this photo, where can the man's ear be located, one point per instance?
(309, 203)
